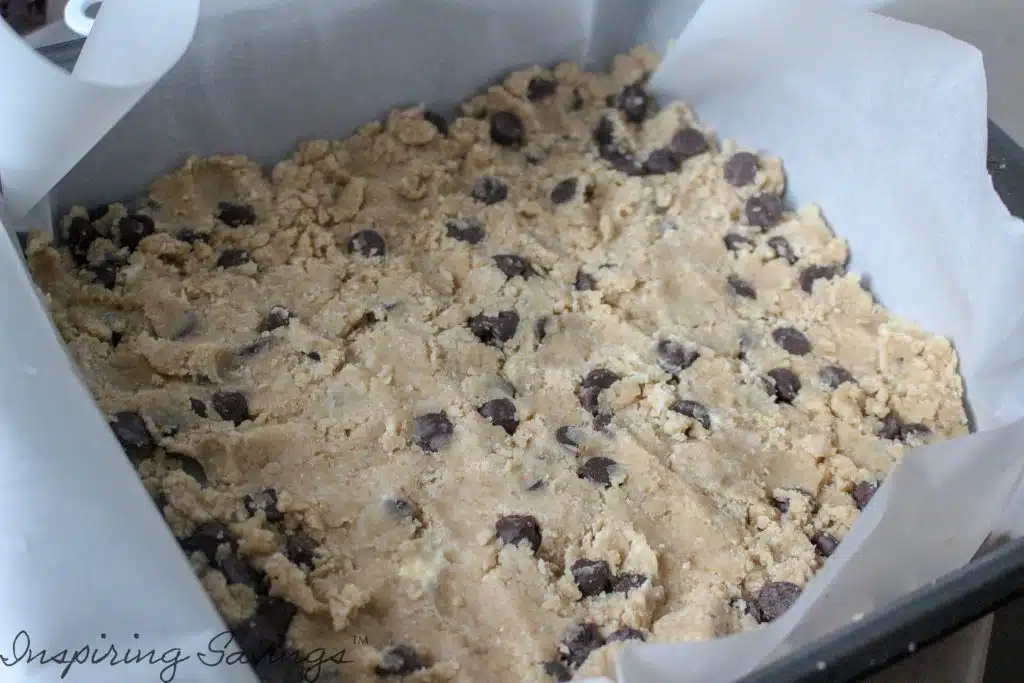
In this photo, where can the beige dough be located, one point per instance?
(701, 510)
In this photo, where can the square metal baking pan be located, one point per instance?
(893, 633)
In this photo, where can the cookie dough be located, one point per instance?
(485, 399)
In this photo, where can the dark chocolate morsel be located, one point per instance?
(580, 641)
(468, 230)
(507, 129)
(627, 582)
(863, 493)
(104, 273)
(558, 671)
(133, 435)
(740, 169)
(231, 406)
(300, 549)
(688, 142)
(694, 410)
(774, 599)
(134, 228)
(437, 120)
(190, 466)
(366, 243)
(432, 431)
(585, 282)
(500, 412)
(596, 381)
(592, 577)
(812, 274)
(673, 357)
(624, 634)
(764, 210)
(235, 214)
(834, 375)
(263, 635)
(278, 316)
(566, 435)
(514, 529)
(824, 543)
(564, 191)
(634, 102)
(735, 241)
(229, 258)
(489, 190)
(783, 384)
(208, 538)
(266, 500)
(792, 340)
(198, 407)
(400, 660)
(662, 161)
(741, 288)
(598, 470)
(539, 87)
(494, 330)
(513, 265)
(782, 249)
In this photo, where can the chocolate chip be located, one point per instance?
(735, 241)
(604, 133)
(432, 431)
(366, 243)
(265, 500)
(198, 407)
(540, 329)
(207, 539)
(596, 381)
(437, 120)
(742, 288)
(231, 406)
(764, 210)
(252, 348)
(812, 274)
(673, 357)
(190, 466)
(567, 436)
(563, 191)
(235, 214)
(624, 634)
(469, 230)
(98, 212)
(576, 102)
(782, 249)
(229, 258)
(513, 265)
(784, 385)
(824, 543)
(688, 142)
(403, 509)
(507, 129)
(400, 660)
(278, 316)
(558, 671)
(189, 236)
(833, 375)
(588, 193)
(300, 549)
(494, 330)
(628, 582)
(263, 635)
(585, 282)
(774, 599)
(134, 228)
(863, 493)
(237, 570)
(592, 577)
(313, 356)
(662, 161)
(914, 429)
(500, 412)
(622, 161)
(514, 529)
(104, 273)
(598, 470)
(580, 641)
(81, 235)
(740, 169)
(115, 338)
(895, 429)
(792, 340)
(539, 87)
(489, 190)
(133, 435)
(634, 102)
(694, 410)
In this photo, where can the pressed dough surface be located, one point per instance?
(693, 472)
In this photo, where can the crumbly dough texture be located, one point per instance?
(338, 350)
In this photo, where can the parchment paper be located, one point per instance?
(880, 122)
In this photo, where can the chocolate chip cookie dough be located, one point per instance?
(489, 398)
